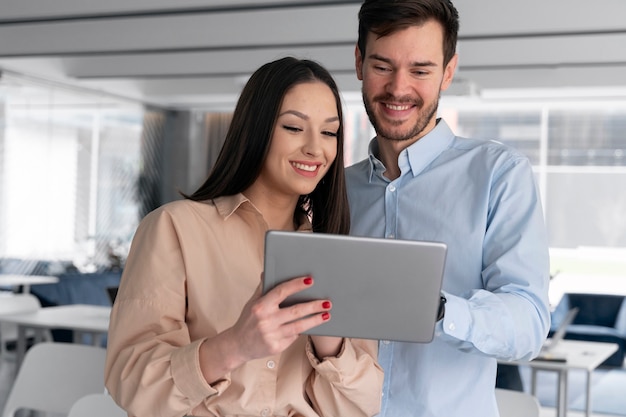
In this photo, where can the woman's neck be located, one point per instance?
(277, 212)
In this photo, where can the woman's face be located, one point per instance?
(304, 143)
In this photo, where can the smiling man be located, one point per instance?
(422, 182)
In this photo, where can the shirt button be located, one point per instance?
(392, 188)
(385, 342)
(390, 236)
(451, 326)
(271, 364)
(265, 412)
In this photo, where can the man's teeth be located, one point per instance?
(397, 108)
(303, 167)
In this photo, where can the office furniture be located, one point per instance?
(54, 376)
(572, 354)
(12, 304)
(25, 281)
(601, 318)
(80, 318)
(79, 288)
(517, 404)
(96, 405)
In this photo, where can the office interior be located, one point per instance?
(110, 109)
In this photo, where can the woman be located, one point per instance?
(190, 332)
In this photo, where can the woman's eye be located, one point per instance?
(329, 133)
(292, 128)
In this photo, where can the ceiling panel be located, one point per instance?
(190, 52)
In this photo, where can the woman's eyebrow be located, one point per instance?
(306, 117)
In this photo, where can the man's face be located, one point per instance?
(403, 75)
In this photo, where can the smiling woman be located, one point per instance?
(189, 312)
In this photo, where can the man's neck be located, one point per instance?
(389, 151)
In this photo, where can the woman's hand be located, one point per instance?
(264, 329)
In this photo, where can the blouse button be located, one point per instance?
(271, 364)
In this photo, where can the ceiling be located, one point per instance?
(195, 53)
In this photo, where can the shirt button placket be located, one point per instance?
(391, 208)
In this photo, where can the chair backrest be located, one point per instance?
(517, 404)
(96, 405)
(53, 376)
(15, 303)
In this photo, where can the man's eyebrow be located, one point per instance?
(413, 64)
(306, 117)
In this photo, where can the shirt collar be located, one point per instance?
(227, 205)
(417, 156)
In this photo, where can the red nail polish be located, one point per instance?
(325, 316)
(308, 281)
(326, 304)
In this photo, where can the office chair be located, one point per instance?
(516, 404)
(96, 405)
(53, 376)
(16, 303)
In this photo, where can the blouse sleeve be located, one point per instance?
(152, 367)
(349, 384)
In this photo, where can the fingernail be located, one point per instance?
(308, 281)
(326, 304)
(325, 316)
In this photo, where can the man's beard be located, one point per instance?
(425, 116)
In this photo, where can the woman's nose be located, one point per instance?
(312, 145)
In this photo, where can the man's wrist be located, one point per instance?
(442, 308)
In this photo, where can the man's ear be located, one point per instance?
(358, 62)
(448, 72)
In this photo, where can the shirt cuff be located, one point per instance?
(188, 376)
(454, 322)
(330, 367)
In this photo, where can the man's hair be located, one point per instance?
(384, 17)
(249, 136)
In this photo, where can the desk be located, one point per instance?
(579, 355)
(13, 280)
(81, 318)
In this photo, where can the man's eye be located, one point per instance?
(382, 69)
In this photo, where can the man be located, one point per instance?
(422, 182)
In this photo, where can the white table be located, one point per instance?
(579, 355)
(14, 280)
(80, 318)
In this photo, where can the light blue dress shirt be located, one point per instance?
(479, 197)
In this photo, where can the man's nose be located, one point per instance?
(399, 83)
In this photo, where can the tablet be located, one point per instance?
(382, 289)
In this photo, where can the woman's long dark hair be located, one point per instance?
(248, 141)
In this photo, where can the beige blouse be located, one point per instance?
(191, 268)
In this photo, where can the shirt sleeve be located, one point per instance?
(349, 384)
(152, 366)
(509, 318)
